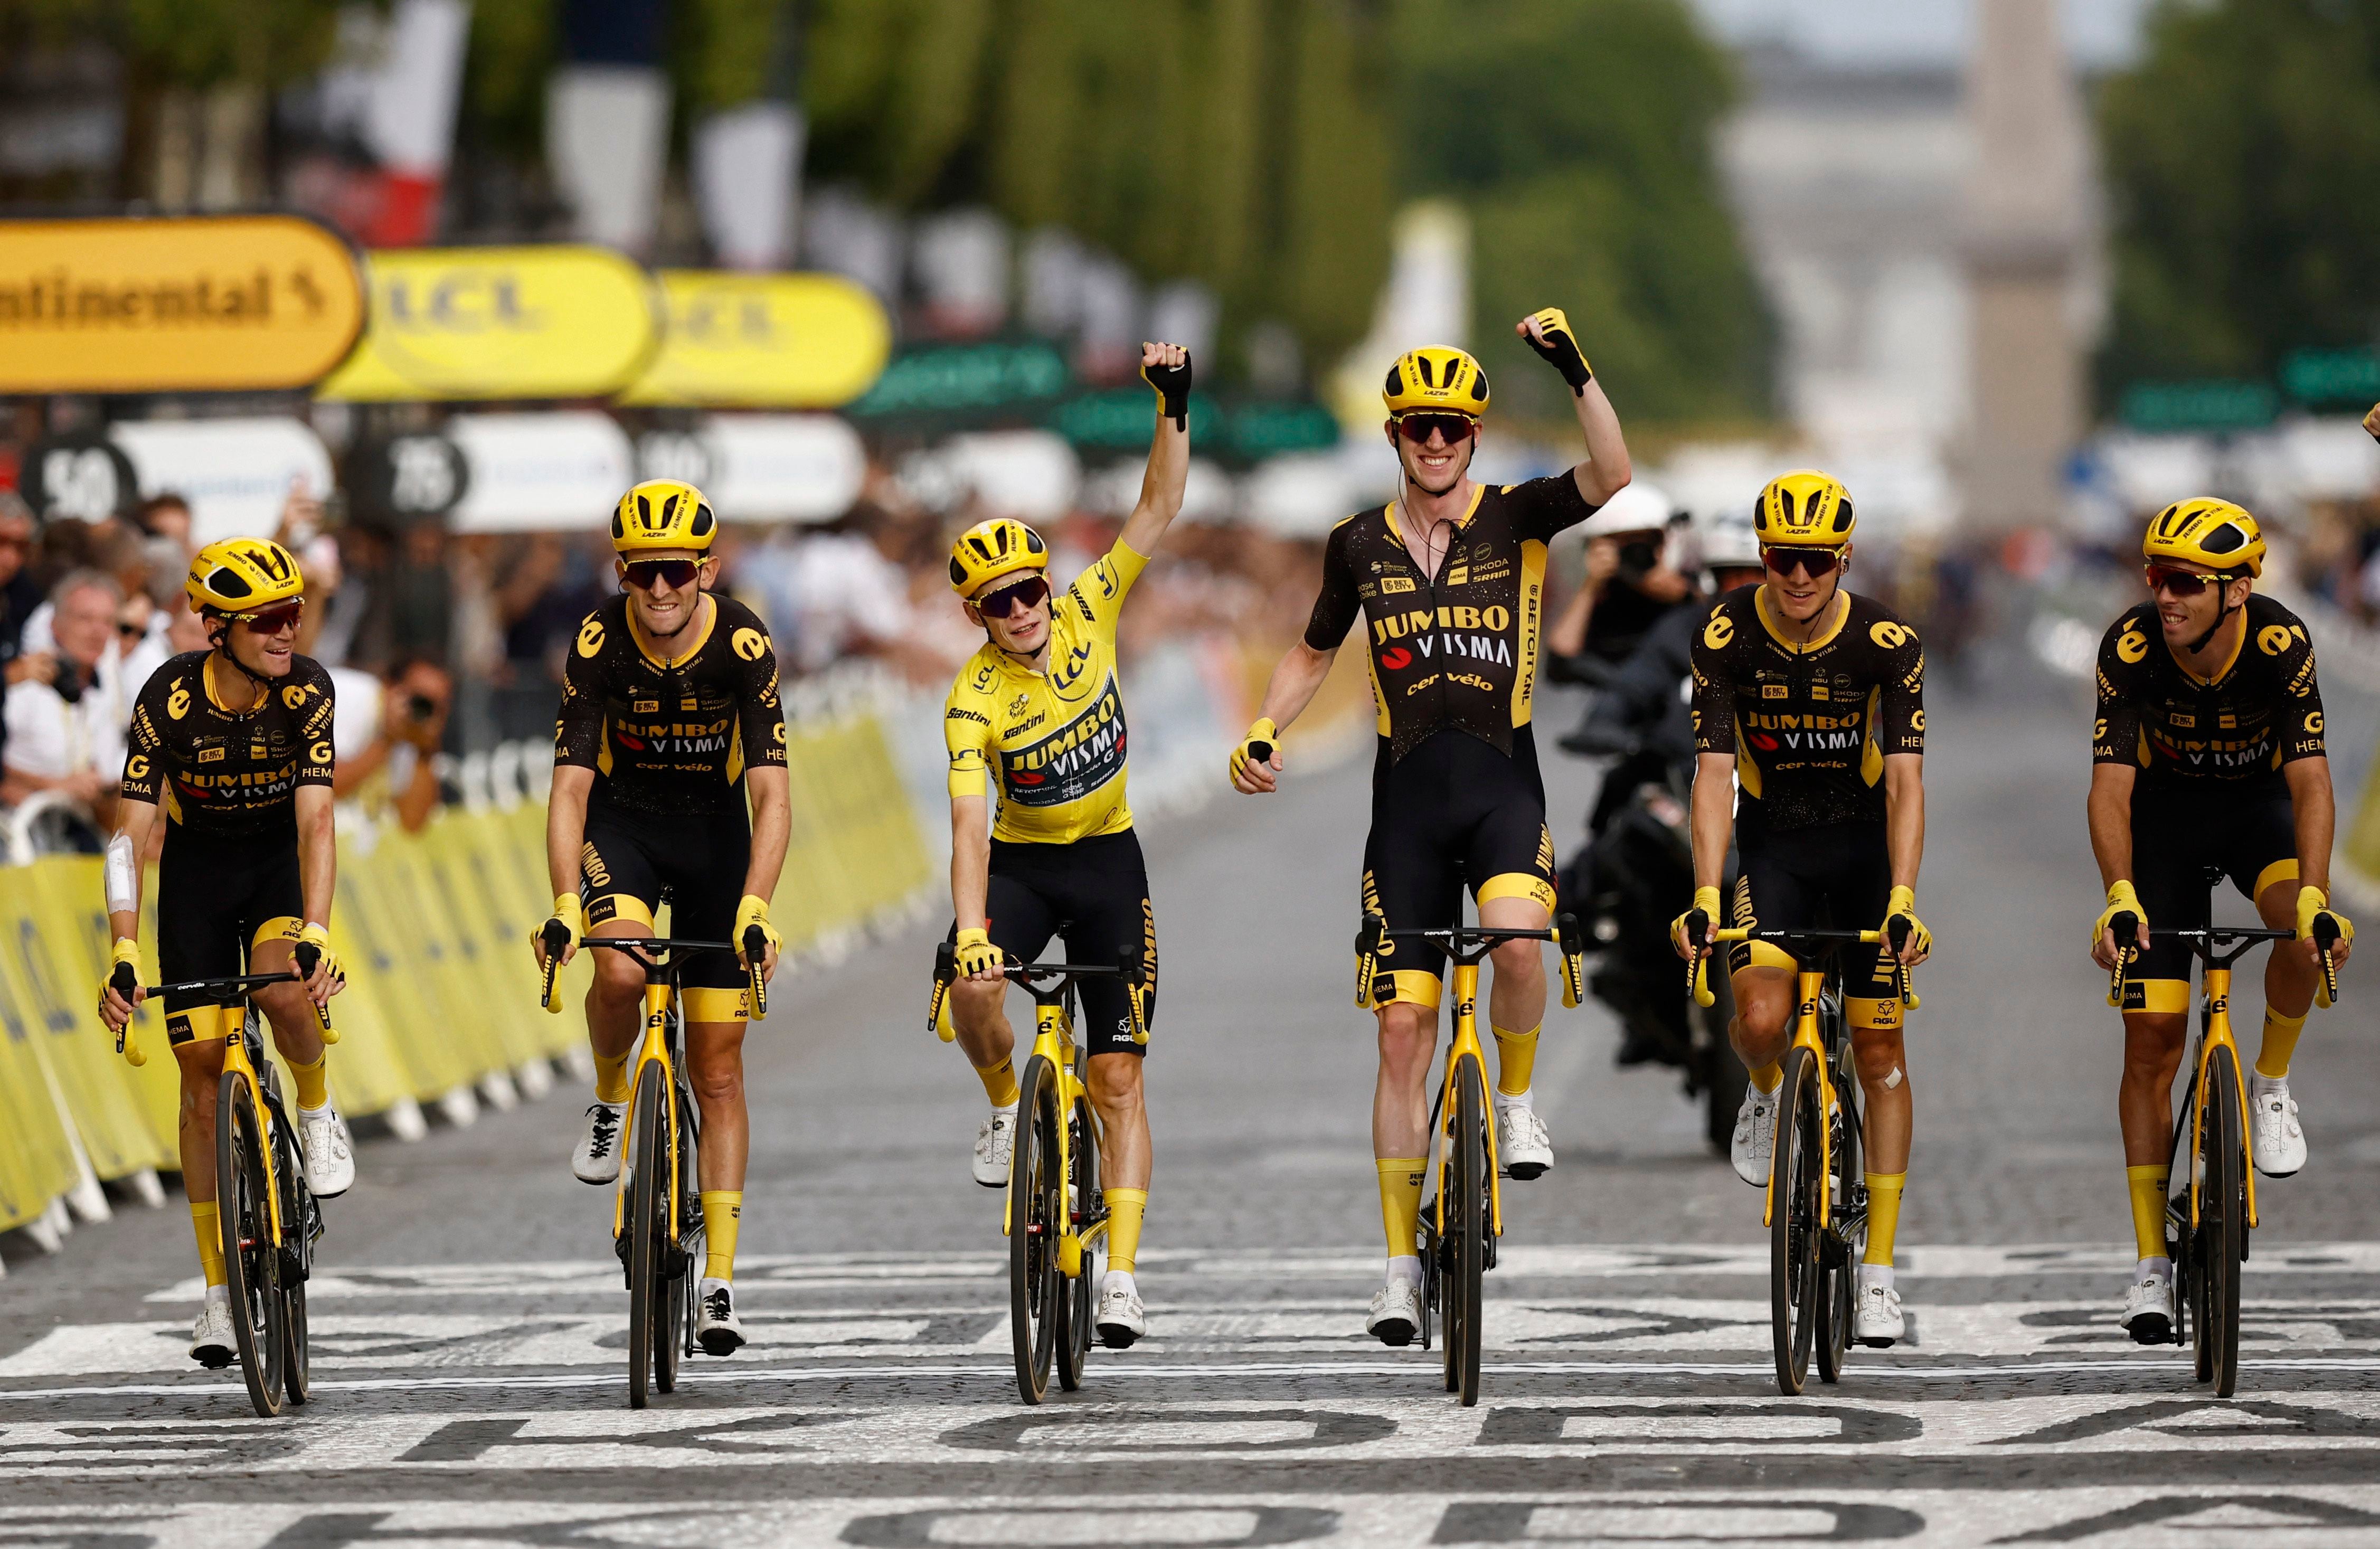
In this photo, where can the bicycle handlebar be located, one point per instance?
(1469, 944)
(1701, 938)
(1129, 966)
(2205, 941)
(555, 936)
(124, 980)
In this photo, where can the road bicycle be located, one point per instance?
(1816, 1203)
(657, 1227)
(1056, 1221)
(1460, 1226)
(269, 1219)
(2213, 1206)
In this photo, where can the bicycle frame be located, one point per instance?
(236, 1062)
(1465, 1042)
(2214, 1032)
(655, 1046)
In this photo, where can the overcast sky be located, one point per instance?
(2100, 32)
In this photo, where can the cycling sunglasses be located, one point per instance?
(645, 575)
(1006, 602)
(273, 621)
(1415, 428)
(1814, 563)
(2180, 583)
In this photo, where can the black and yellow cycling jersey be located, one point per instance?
(1809, 725)
(669, 735)
(1056, 738)
(2236, 729)
(1458, 649)
(218, 769)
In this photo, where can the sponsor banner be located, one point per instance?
(765, 341)
(501, 322)
(762, 467)
(189, 304)
(540, 472)
(236, 473)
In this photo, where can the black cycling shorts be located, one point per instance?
(699, 860)
(2182, 844)
(1094, 894)
(1829, 877)
(1452, 814)
(220, 896)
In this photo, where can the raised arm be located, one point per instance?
(1605, 471)
(1165, 368)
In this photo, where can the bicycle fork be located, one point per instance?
(235, 1059)
(1805, 1035)
(2215, 1032)
(1466, 980)
(652, 1048)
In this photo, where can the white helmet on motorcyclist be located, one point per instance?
(1728, 540)
(1639, 507)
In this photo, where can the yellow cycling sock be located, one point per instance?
(2280, 1042)
(2148, 1186)
(1400, 1202)
(611, 1078)
(999, 1082)
(1516, 1060)
(722, 1213)
(313, 1082)
(1883, 1214)
(206, 1225)
(1125, 1207)
(1768, 1077)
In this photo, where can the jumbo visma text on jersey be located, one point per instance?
(1072, 762)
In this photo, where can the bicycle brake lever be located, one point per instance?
(2123, 928)
(756, 952)
(1698, 959)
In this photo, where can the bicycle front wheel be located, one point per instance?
(1838, 1284)
(1464, 1182)
(1036, 1202)
(2222, 1225)
(296, 1259)
(1793, 1246)
(1078, 1304)
(647, 1233)
(252, 1261)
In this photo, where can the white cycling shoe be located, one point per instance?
(330, 1155)
(716, 1328)
(1876, 1315)
(2148, 1308)
(596, 1160)
(995, 1143)
(211, 1337)
(1120, 1318)
(1756, 1135)
(1396, 1313)
(2279, 1144)
(1521, 1139)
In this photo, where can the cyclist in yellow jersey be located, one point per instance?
(670, 725)
(1449, 584)
(1040, 712)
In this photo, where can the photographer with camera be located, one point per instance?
(404, 725)
(1629, 585)
(65, 729)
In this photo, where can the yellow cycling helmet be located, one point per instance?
(663, 513)
(988, 551)
(1436, 377)
(242, 576)
(1804, 509)
(2206, 531)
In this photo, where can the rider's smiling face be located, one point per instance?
(2185, 619)
(1801, 596)
(1437, 465)
(662, 606)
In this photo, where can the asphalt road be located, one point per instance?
(469, 1327)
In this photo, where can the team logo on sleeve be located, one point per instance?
(177, 704)
(1888, 635)
(293, 696)
(1718, 632)
(139, 767)
(2314, 723)
(591, 637)
(748, 644)
(2131, 646)
(2273, 639)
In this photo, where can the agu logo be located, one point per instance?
(1396, 659)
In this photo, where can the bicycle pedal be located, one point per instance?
(1525, 1172)
(224, 1364)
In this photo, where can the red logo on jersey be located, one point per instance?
(1762, 740)
(1024, 777)
(627, 741)
(1396, 659)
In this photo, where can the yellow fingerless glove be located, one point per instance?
(1707, 900)
(570, 915)
(974, 953)
(753, 911)
(2122, 899)
(1558, 346)
(319, 938)
(2313, 903)
(124, 977)
(1261, 731)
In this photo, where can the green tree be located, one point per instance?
(1578, 134)
(2242, 158)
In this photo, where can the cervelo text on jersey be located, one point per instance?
(219, 769)
(1809, 725)
(1057, 738)
(1457, 650)
(2263, 709)
(670, 736)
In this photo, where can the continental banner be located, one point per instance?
(204, 303)
(460, 324)
(434, 930)
(765, 341)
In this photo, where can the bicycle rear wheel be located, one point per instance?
(1793, 1246)
(1077, 1306)
(251, 1262)
(2222, 1225)
(1839, 1290)
(1036, 1201)
(648, 1232)
(1464, 1180)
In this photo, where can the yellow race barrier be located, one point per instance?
(433, 928)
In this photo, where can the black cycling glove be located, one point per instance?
(1559, 345)
(1172, 384)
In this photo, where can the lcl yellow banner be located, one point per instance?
(765, 341)
(501, 322)
(189, 304)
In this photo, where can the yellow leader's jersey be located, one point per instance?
(1056, 738)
